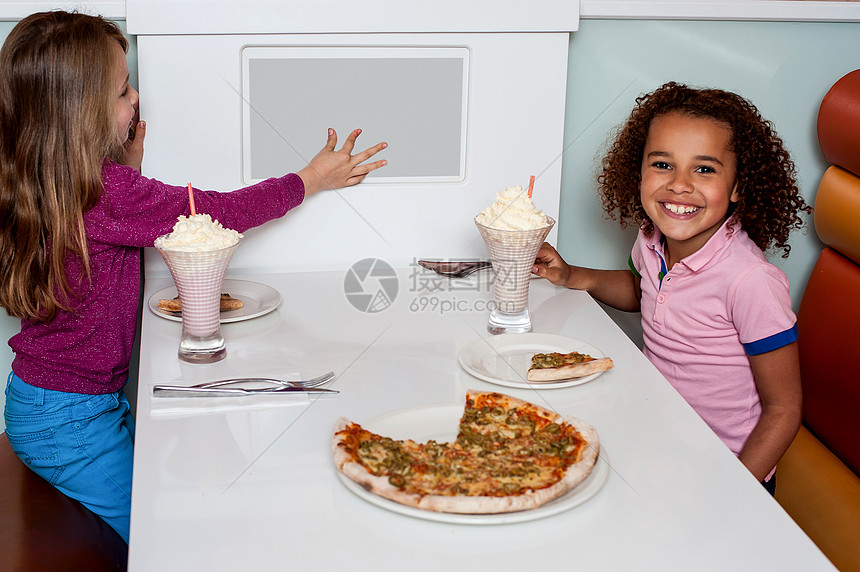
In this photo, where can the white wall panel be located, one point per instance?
(516, 97)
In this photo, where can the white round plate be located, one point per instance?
(440, 422)
(257, 299)
(505, 359)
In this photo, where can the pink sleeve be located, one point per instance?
(760, 307)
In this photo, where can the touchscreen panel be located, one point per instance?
(414, 98)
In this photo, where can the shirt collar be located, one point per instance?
(716, 244)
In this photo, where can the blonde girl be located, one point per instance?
(75, 213)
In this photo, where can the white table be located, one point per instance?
(249, 484)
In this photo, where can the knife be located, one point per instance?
(185, 391)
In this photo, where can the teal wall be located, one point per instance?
(785, 68)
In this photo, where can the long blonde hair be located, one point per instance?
(57, 125)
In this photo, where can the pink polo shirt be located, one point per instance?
(702, 318)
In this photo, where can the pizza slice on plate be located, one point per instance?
(509, 455)
(556, 366)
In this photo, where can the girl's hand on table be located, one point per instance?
(332, 169)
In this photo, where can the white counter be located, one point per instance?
(250, 485)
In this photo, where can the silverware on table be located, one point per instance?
(455, 268)
(234, 387)
(308, 383)
(191, 391)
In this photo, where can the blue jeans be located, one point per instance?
(770, 486)
(82, 444)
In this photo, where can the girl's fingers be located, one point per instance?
(331, 142)
(349, 144)
(368, 153)
(359, 172)
(365, 169)
(376, 165)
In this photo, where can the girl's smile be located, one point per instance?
(688, 180)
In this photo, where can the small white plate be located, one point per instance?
(505, 359)
(440, 422)
(257, 299)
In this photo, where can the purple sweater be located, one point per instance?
(88, 351)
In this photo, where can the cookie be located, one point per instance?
(227, 303)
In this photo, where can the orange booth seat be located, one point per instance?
(818, 479)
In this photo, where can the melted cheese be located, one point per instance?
(544, 361)
(498, 452)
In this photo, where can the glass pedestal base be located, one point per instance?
(198, 349)
(509, 323)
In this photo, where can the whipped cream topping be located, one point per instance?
(513, 209)
(198, 233)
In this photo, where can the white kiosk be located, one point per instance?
(469, 95)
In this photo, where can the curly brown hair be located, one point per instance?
(770, 203)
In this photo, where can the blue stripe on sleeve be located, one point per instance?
(773, 342)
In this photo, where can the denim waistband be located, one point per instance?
(37, 395)
(49, 404)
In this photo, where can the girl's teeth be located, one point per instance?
(680, 209)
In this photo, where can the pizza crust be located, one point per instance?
(355, 471)
(570, 371)
(463, 504)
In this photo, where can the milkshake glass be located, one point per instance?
(198, 276)
(513, 255)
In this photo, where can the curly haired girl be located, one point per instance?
(711, 187)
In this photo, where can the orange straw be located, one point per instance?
(191, 199)
(531, 185)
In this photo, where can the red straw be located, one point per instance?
(191, 199)
(531, 185)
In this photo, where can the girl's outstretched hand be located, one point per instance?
(550, 265)
(332, 169)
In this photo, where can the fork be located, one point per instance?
(455, 269)
(307, 384)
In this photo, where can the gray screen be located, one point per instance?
(416, 105)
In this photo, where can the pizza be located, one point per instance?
(226, 303)
(556, 366)
(509, 455)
